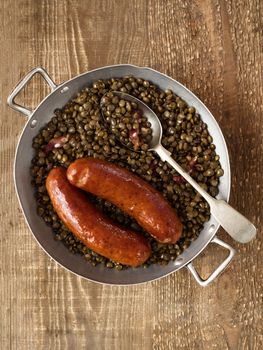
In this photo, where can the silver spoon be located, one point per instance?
(234, 223)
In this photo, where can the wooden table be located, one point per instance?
(214, 47)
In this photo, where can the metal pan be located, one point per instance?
(36, 119)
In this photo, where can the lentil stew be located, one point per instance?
(78, 130)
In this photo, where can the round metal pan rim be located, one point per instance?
(133, 276)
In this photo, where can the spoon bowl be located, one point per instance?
(157, 130)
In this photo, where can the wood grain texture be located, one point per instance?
(214, 47)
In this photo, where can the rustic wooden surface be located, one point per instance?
(214, 47)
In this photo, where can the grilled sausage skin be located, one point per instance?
(130, 193)
(92, 227)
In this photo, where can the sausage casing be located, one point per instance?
(92, 227)
(130, 193)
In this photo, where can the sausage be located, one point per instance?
(92, 227)
(130, 193)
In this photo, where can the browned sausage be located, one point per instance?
(91, 226)
(130, 193)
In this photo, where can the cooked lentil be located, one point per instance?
(78, 130)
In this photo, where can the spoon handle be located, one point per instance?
(234, 223)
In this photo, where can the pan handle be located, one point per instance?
(21, 85)
(218, 270)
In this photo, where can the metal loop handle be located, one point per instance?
(219, 269)
(21, 85)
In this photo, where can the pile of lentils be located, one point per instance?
(78, 130)
(126, 121)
